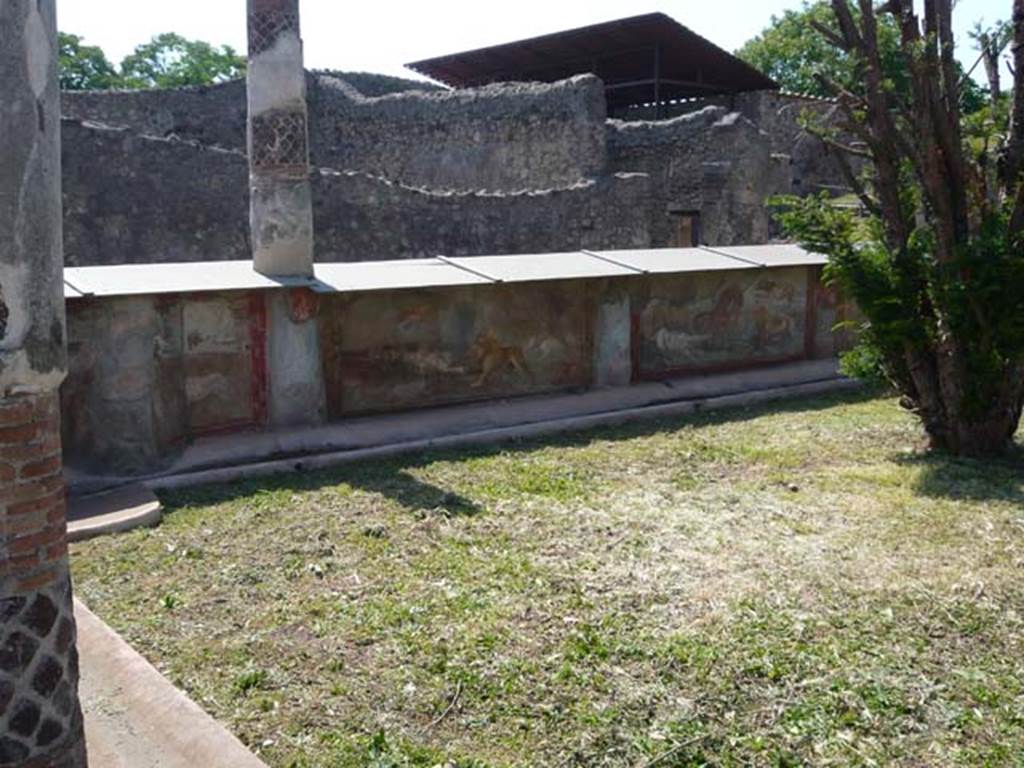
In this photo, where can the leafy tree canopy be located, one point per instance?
(171, 61)
(84, 67)
(793, 52)
(167, 61)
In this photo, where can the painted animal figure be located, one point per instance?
(723, 315)
(492, 356)
(772, 328)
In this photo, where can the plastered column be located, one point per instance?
(40, 717)
(297, 396)
(281, 203)
(613, 336)
(281, 209)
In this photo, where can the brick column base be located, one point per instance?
(40, 717)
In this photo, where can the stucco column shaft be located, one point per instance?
(281, 208)
(613, 336)
(281, 202)
(40, 717)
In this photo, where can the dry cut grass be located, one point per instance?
(795, 585)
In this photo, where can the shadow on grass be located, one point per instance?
(391, 478)
(952, 477)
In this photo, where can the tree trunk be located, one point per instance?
(990, 436)
(939, 399)
(990, 57)
(967, 408)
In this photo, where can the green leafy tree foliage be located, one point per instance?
(991, 42)
(84, 67)
(794, 53)
(171, 61)
(937, 262)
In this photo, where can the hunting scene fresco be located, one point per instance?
(704, 320)
(384, 351)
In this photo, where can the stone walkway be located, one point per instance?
(135, 718)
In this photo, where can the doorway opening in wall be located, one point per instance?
(685, 229)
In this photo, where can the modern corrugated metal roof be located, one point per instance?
(190, 277)
(625, 53)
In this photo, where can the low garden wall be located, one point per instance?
(150, 373)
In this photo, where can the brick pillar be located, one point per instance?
(40, 717)
(281, 202)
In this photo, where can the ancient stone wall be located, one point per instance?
(130, 199)
(360, 218)
(373, 84)
(148, 374)
(712, 162)
(213, 115)
(813, 168)
(504, 137)
(780, 115)
(154, 371)
(443, 171)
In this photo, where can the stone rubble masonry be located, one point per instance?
(504, 137)
(130, 200)
(281, 198)
(721, 164)
(413, 174)
(40, 718)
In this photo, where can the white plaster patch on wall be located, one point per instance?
(613, 361)
(38, 51)
(15, 293)
(277, 79)
(680, 343)
(17, 377)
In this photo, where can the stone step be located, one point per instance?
(123, 509)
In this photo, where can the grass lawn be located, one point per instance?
(789, 585)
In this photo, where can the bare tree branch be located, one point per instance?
(1015, 145)
(837, 40)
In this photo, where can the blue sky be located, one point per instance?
(382, 36)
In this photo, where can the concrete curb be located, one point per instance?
(135, 718)
(498, 435)
(133, 506)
